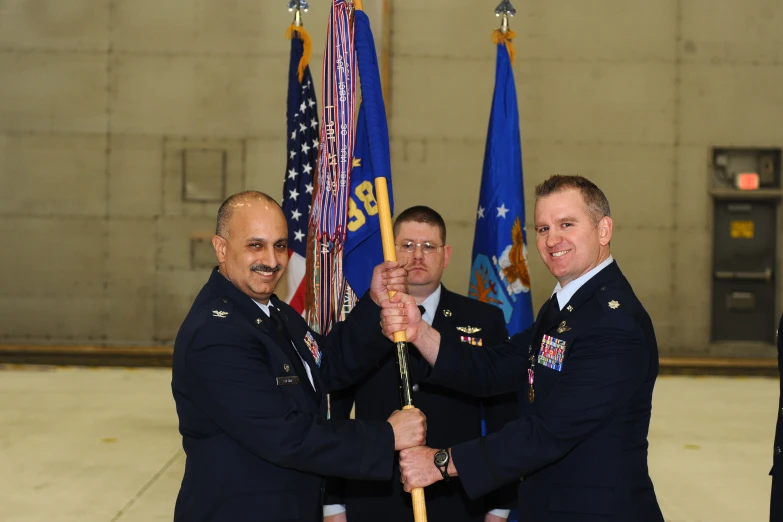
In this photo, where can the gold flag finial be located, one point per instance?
(504, 35)
(505, 10)
(297, 6)
(297, 30)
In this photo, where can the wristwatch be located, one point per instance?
(442, 462)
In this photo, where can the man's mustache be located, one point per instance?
(266, 268)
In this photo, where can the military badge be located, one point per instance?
(552, 352)
(468, 329)
(219, 313)
(475, 341)
(563, 327)
(312, 345)
(614, 305)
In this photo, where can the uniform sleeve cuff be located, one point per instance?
(502, 513)
(336, 509)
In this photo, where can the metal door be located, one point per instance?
(743, 288)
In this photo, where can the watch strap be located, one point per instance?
(444, 469)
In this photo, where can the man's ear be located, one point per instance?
(605, 227)
(219, 244)
(446, 255)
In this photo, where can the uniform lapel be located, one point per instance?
(582, 296)
(540, 328)
(444, 318)
(303, 351)
(590, 288)
(260, 323)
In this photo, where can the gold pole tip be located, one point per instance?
(505, 10)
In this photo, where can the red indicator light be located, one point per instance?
(747, 181)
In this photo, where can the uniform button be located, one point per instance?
(521, 479)
(259, 321)
(415, 387)
(781, 412)
(777, 451)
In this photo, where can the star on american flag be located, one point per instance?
(302, 154)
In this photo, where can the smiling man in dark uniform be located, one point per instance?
(250, 382)
(578, 450)
(452, 417)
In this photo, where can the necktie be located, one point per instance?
(288, 345)
(552, 309)
(414, 357)
(277, 320)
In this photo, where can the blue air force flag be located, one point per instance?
(499, 274)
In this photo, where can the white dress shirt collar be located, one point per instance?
(430, 305)
(264, 307)
(565, 293)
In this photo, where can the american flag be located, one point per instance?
(302, 150)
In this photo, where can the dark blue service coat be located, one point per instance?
(579, 451)
(254, 431)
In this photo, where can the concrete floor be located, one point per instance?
(101, 445)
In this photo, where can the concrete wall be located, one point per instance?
(101, 102)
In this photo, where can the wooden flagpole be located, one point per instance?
(390, 254)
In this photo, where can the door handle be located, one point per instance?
(766, 275)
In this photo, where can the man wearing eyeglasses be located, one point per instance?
(420, 237)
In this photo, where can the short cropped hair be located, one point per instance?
(226, 209)
(594, 198)
(421, 214)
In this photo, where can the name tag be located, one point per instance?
(287, 381)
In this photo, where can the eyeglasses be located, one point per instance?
(426, 247)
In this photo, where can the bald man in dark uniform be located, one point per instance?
(250, 380)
